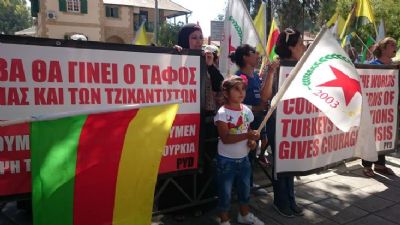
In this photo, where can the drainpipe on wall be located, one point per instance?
(157, 23)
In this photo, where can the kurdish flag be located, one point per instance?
(98, 168)
(327, 78)
(261, 27)
(141, 36)
(272, 38)
(360, 14)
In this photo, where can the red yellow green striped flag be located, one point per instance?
(272, 37)
(98, 168)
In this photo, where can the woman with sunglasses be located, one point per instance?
(384, 51)
(190, 36)
(289, 46)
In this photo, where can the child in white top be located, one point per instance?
(236, 139)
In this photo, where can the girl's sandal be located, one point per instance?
(368, 172)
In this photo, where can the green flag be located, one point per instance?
(370, 42)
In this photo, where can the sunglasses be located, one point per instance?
(197, 38)
(254, 52)
(288, 32)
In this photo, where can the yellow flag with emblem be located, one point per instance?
(141, 36)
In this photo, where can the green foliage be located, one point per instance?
(290, 14)
(388, 10)
(14, 16)
(168, 35)
(318, 12)
(252, 6)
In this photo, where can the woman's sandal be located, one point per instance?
(384, 170)
(368, 172)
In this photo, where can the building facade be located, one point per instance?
(114, 21)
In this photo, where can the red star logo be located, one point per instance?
(349, 85)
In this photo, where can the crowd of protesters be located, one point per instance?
(239, 104)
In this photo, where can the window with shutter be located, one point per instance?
(84, 6)
(34, 7)
(73, 6)
(112, 11)
(62, 5)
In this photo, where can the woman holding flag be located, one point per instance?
(289, 46)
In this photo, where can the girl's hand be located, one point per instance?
(253, 135)
(252, 144)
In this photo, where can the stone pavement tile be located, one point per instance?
(371, 220)
(390, 180)
(314, 177)
(264, 214)
(309, 218)
(353, 196)
(307, 195)
(209, 219)
(393, 161)
(262, 202)
(327, 222)
(333, 204)
(332, 187)
(348, 166)
(4, 220)
(20, 217)
(353, 180)
(326, 207)
(373, 203)
(391, 213)
(349, 214)
(337, 210)
(385, 191)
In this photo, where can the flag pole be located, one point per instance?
(278, 96)
(363, 43)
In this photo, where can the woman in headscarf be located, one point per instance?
(290, 47)
(191, 37)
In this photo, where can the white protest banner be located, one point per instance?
(306, 138)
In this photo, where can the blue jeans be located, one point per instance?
(229, 171)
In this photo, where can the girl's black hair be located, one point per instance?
(238, 56)
(289, 37)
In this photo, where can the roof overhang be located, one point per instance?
(171, 9)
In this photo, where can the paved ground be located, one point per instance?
(340, 195)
